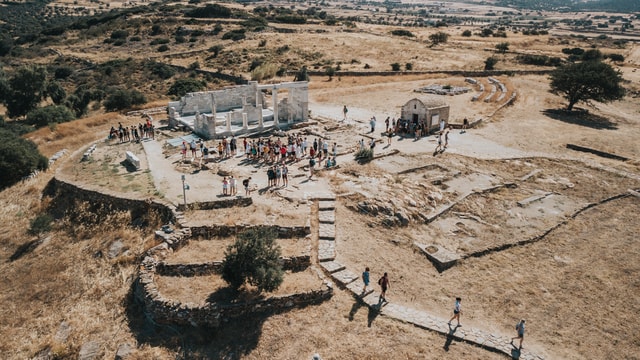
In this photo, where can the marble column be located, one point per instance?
(275, 108)
(228, 121)
(245, 123)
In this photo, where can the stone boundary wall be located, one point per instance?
(63, 191)
(536, 238)
(466, 73)
(228, 230)
(164, 310)
(218, 204)
(292, 263)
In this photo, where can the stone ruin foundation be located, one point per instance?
(240, 110)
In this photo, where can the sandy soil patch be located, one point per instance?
(212, 288)
(205, 250)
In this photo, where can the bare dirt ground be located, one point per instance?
(200, 251)
(199, 290)
(563, 284)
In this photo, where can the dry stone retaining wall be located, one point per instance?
(292, 263)
(165, 310)
(64, 192)
(228, 230)
(218, 204)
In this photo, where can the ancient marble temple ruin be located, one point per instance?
(242, 109)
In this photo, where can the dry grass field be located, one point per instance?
(577, 287)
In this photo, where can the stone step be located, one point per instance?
(332, 266)
(323, 196)
(327, 216)
(326, 205)
(327, 231)
(344, 277)
(326, 250)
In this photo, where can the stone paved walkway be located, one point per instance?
(350, 280)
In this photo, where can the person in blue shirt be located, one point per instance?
(457, 310)
(520, 330)
(365, 279)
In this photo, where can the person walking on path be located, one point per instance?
(247, 189)
(446, 137)
(365, 279)
(312, 163)
(384, 286)
(344, 113)
(465, 125)
(194, 148)
(456, 311)
(520, 330)
(439, 147)
(285, 172)
(233, 188)
(183, 150)
(225, 186)
(373, 124)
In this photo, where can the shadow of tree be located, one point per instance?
(234, 339)
(582, 118)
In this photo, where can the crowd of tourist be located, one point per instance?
(133, 133)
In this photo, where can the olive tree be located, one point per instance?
(587, 80)
(254, 259)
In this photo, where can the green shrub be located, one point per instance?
(186, 85)
(53, 114)
(401, 32)
(210, 11)
(119, 34)
(62, 72)
(18, 158)
(215, 49)
(40, 224)
(159, 41)
(163, 48)
(302, 74)
(466, 33)
(364, 155)
(161, 70)
(395, 67)
(235, 35)
(490, 63)
(615, 57)
(264, 71)
(254, 259)
(438, 38)
(119, 99)
(156, 30)
(290, 19)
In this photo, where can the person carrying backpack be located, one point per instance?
(384, 286)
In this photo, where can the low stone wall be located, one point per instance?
(285, 232)
(163, 310)
(292, 263)
(218, 204)
(64, 192)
